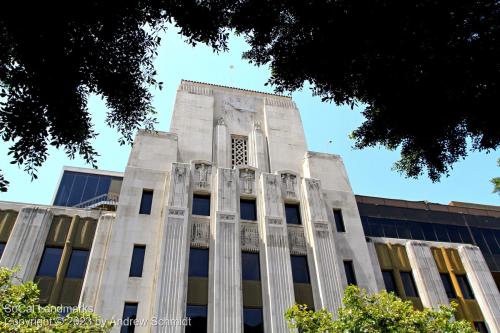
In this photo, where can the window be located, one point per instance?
(50, 261)
(198, 316)
(239, 154)
(480, 326)
(465, 286)
(146, 201)
(448, 286)
(248, 210)
(250, 266)
(292, 213)
(349, 272)
(129, 317)
(77, 264)
(390, 283)
(253, 320)
(409, 284)
(198, 262)
(137, 260)
(201, 205)
(2, 247)
(339, 220)
(300, 270)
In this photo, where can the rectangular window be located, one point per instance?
(465, 286)
(198, 262)
(300, 270)
(250, 266)
(50, 261)
(137, 262)
(480, 326)
(77, 264)
(409, 284)
(201, 205)
(146, 201)
(253, 320)
(339, 220)
(448, 286)
(349, 272)
(198, 316)
(129, 316)
(248, 210)
(390, 283)
(292, 213)
(239, 155)
(2, 247)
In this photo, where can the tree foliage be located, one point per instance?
(382, 312)
(496, 182)
(426, 72)
(20, 311)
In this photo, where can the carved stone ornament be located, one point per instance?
(247, 181)
(202, 175)
(297, 241)
(289, 183)
(236, 103)
(221, 122)
(250, 237)
(200, 233)
(257, 125)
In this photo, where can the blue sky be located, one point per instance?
(370, 170)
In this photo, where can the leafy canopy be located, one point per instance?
(381, 312)
(426, 72)
(20, 311)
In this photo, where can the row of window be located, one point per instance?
(51, 258)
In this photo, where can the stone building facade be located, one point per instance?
(227, 219)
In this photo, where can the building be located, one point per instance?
(229, 220)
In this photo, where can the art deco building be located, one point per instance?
(229, 220)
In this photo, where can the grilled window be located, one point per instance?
(239, 151)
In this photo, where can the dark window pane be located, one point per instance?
(146, 201)
(90, 188)
(349, 272)
(441, 233)
(2, 247)
(429, 233)
(454, 233)
(300, 270)
(480, 326)
(198, 262)
(465, 286)
(201, 205)
(478, 237)
(137, 260)
(403, 228)
(250, 266)
(129, 315)
(376, 229)
(292, 212)
(409, 284)
(253, 320)
(448, 286)
(390, 283)
(489, 237)
(339, 220)
(390, 229)
(50, 261)
(416, 230)
(465, 235)
(198, 315)
(77, 189)
(248, 210)
(366, 226)
(77, 264)
(64, 189)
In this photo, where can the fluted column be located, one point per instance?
(329, 288)
(257, 152)
(482, 284)
(172, 276)
(225, 299)
(275, 255)
(27, 241)
(222, 145)
(426, 274)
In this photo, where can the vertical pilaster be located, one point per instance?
(329, 288)
(172, 275)
(226, 300)
(258, 156)
(377, 272)
(26, 241)
(222, 145)
(275, 255)
(482, 284)
(426, 274)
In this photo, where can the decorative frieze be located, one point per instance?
(200, 234)
(274, 220)
(297, 240)
(283, 102)
(179, 185)
(289, 185)
(202, 175)
(249, 237)
(194, 88)
(247, 181)
(175, 212)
